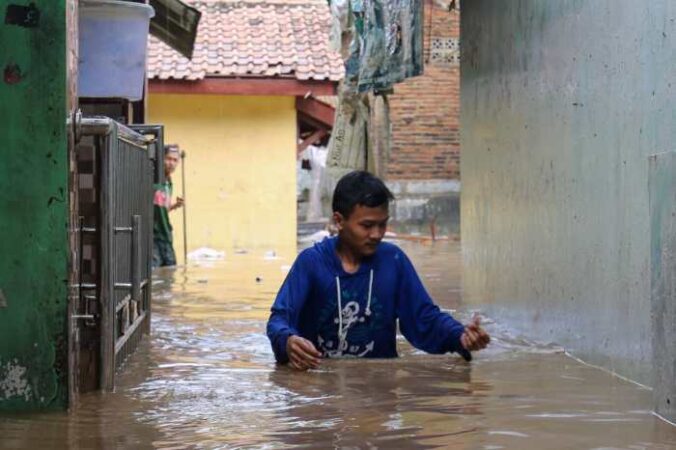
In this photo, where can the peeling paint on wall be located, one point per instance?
(12, 74)
(13, 382)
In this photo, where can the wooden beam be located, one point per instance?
(314, 137)
(243, 86)
(317, 110)
(310, 122)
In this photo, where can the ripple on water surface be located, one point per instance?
(206, 379)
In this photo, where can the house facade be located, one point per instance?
(234, 110)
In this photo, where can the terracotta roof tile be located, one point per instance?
(270, 38)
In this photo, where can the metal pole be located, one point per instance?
(108, 148)
(136, 247)
(185, 229)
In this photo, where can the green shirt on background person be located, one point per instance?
(162, 229)
(163, 248)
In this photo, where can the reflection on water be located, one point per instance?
(206, 379)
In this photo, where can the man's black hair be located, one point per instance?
(359, 188)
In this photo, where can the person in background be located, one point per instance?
(344, 296)
(163, 248)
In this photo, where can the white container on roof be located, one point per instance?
(113, 48)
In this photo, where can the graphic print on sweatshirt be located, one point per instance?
(359, 328)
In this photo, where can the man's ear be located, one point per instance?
(338, 219)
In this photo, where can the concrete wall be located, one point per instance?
(561, 104)
(33, 210)
(418, 204)
(663, 269)
(240, 169)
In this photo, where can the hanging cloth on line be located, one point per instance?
(381, 41)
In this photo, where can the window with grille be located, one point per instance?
(445, 51)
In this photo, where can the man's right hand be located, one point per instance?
(302, 353)
(475, 337)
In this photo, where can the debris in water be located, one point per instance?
(206, 253)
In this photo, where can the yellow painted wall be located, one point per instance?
(240, 170)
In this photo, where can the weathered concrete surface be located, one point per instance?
(418, 203)
(33, 205)
(561, 104)
(663, 268)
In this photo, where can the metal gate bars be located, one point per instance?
(115, 190)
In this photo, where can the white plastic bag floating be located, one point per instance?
(270, 255)
(205, 253)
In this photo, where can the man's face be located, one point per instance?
(363, 230)
(170, 162)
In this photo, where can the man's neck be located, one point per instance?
(348, 258)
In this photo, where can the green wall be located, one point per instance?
(33, 210)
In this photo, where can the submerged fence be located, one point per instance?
(115, 172)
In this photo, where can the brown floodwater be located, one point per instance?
(206, 378)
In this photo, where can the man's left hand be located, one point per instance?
(474, 338)
(179, 203)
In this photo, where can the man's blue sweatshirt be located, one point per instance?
(385, 288)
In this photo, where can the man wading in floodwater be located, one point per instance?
(163, 247)
(342, 297)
